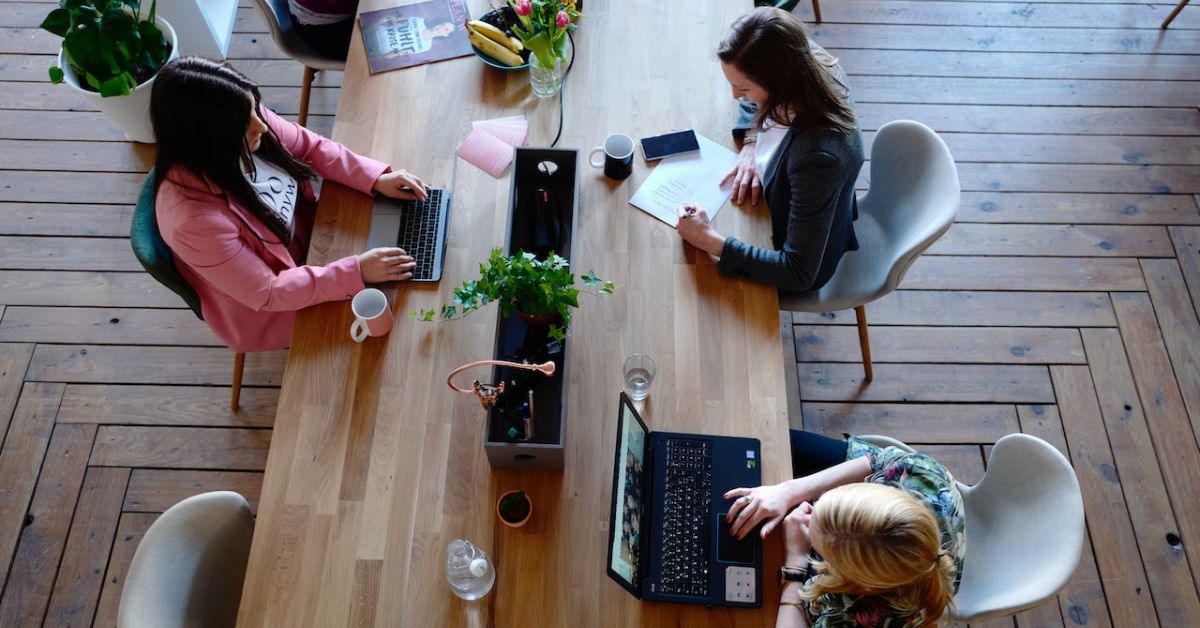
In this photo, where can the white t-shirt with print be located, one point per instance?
(276, 188)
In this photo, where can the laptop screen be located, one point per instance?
(627, 508)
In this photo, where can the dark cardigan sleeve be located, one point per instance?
(815, 180)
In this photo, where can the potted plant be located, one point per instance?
(542, 291)
(514, 508)
(110, 55)
(542, 27)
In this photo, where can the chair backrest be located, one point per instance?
(283, 33)
(189, 567)
(1025, 528)
(153, 253)
(914, 192)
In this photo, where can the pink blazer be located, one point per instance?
(250, 287)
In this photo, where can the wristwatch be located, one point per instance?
(793, 574)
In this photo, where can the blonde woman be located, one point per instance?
(876, 540)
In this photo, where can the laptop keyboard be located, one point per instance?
(419, 222)
(687, 518)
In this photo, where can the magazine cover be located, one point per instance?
(413, 34)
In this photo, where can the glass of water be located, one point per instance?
(639, 372)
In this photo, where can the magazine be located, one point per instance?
(413, 34)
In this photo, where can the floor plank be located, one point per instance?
(959, 38)
(196, 406)
(977, 309)
(81, 576)
(156, 490)
(1022, 64)
(85, 288)
(131, 529)
(124, 326)
(56, 253)
(181, 447)
(80, 156)
(966, 345)
(203, 366)
(927, 382)
(1087, 274)
(1187, 247)
(1179, 122)
(1120, 565)
(14, 359)
(65, 219)
(1179, 326)
(82, 187)
(1055, 240)
(1096, 209)
(35, 564)
(1041, 92)
(1004, 14)
(914, 422)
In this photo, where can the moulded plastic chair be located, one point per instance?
(158, 260)
(188, 569)
(913, 198)
(283, 32)
(1025, 529)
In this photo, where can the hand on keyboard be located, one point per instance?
(386, 264)
(401, 184)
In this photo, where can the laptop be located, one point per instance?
(669, 540)
(418, 227)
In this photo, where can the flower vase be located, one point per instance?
(545, 81)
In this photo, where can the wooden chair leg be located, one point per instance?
(864, 342)
(239, 363)
(305, 89)
(817, 10)
(1178, 8)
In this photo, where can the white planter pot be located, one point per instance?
(130, 113)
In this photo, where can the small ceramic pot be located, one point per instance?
(518, 523)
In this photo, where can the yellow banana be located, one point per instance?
(496, 35)
(495, 50)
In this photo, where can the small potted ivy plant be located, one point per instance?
(110, 55)
(541, 291)
(514, 508)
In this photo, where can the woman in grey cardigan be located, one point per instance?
(801, 145)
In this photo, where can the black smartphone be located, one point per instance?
(669, 144)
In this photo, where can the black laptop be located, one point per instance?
(669, 538)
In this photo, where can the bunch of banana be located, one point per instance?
(492, 42)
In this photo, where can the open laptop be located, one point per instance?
(669, 538)
(418, 227)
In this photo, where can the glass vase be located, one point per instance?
(545, 81)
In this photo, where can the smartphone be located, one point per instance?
(669, 144)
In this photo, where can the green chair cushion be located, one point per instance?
(152, 251)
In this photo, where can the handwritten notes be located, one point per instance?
(691, 178)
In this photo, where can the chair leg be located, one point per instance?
(817, 10)
(864, 342)
(239, 363)
(1178, 8)
(305, 89)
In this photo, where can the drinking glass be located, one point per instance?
(639, 373)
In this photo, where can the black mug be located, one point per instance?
(618, 156)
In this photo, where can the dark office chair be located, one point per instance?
(789, 5)
(279, 19)
(158, 260)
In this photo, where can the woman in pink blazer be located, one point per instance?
(235, 204)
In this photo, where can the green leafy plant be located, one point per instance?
(109, 46)
(514, 507)
(521, 283)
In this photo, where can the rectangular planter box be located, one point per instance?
(528, 230)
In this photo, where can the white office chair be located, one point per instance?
(188, 569)
(283, 32)
(913, 198)
(1025, 529)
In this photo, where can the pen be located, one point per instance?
(529, 418)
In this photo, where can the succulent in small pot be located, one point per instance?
(514, 508)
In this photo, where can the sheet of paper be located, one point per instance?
(512, 130)
(486, 151)
(690, 178)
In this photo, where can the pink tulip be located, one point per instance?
(562, 19)
(523, 7)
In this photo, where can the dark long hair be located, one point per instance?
(200, 110)
(770, 47)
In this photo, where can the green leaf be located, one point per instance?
(607, 287)
(56, 75)
(58, 22)
(121, 85)
(448, 312)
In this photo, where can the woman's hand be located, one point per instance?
(747, 184)
(401, 184)
(768, 503)
(386, 264)
(694, 228)
(796, 538)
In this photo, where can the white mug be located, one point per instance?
(372, 316)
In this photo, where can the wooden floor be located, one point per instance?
(1063, 303)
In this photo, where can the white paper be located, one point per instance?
(690, 178)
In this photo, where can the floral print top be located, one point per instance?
(924, 478)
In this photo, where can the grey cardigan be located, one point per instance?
(809, 189)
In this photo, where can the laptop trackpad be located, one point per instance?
(730, 549)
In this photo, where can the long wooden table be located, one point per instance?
(375, 465)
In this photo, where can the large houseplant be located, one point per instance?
(541, 290)
(110, 54)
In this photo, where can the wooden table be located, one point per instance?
(375, 465)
